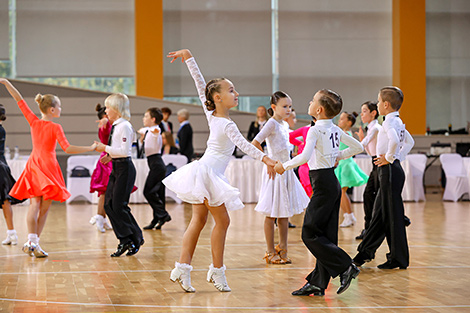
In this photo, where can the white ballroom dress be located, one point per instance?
(204, 178)
(282, 196)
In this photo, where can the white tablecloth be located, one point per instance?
(17, 167)
(466, 164)
(245, 174)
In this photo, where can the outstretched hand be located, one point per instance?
(184, 54)
(99, 146)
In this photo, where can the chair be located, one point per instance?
(456, 176)
(414, 166)
(178, 160)
(80, 186)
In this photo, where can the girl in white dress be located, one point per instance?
(282, 196)
(203, 184)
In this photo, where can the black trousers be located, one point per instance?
(121, 182)
(154, 190)
(388, 218)
(370, 193)
(320, 228)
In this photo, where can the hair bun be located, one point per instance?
(210, 105)
(355, 114)
(270, 111)
(99, 107)
(39, 98)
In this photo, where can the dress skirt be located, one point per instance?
(204, 180)
(282, 196)
(349, 174)
(100, 176)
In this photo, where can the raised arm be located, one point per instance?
(27, 112)
(193, 68)
(11, 89)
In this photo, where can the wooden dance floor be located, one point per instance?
(79, 275)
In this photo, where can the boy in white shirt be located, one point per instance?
(394, 142)
(320, 228)
(154, 190)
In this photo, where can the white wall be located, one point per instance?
(448, 63)
(341, 45)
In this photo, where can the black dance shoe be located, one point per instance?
(390, 265)
(151, 225)
(346, 277)
(359, 259)
(309, 289)
(407, 221)
(361, 235)
(136, 249)
(123, 247)
(292, 225)
(163, 221)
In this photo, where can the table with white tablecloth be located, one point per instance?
(245, 174)
(16, 168)
(466, 164)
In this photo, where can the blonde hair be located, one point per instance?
(120, 103)
(46, 101)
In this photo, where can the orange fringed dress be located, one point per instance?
(42, 175)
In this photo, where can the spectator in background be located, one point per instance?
(165, 125)
(185, 134)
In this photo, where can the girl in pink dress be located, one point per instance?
(100, 176)
(303, 169)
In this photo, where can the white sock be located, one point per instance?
(33, 238)
(11, 232)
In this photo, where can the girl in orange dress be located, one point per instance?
(41, 180)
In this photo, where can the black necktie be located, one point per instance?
(143, 142)
(111, 136)
(367, 128)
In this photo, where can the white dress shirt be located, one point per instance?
(122, 138)
(370, 140)
(393, 140)
(322, 147)
(153, 142)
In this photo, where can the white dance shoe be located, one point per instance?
(348, 221)
(98, 221)
(37, 251)
(27, 248)
(11, 239)
(107, 224)
(217, 276)
(182, 274)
